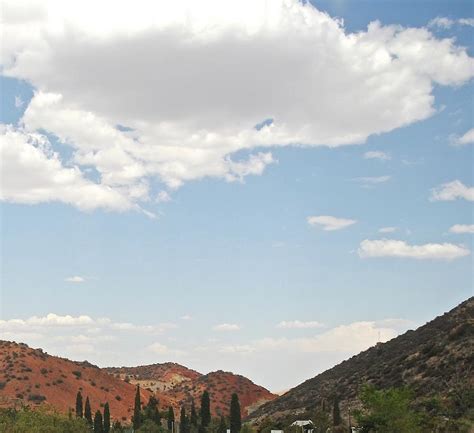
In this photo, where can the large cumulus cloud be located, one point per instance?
(190, 81)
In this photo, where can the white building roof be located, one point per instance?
(302, 423)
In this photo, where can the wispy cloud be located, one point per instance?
(387, 229)
(298, 324)
(377, 154)
(446, 23)
(452, 191)
(162, 349)
(400, 249)
(163, 197)
(466, 138)
(75, 279)
(19, 102)
(330, 223)
(226, 327)
(462, 228)
(372, 180)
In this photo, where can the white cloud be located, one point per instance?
(282, 60)
(75, 279)
(396, 323)
(466, 22)
(462, 228)
(396, 248)
(298, 324)
(441, 22)
(452, 191)
(446, 23)
(19, 102)
(53, 320)
(237, 349)
(330, 223)
(225, 327)
(387, 229)
(80, 349)
(350, 338)
(377, 154)
(186, 317)
(163, 197)
(162, 349)
(466, 138)
(32, 172)
(372, 180)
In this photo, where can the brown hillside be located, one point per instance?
(155, 377)
(437, 358)
(32, 377)
(221, 385)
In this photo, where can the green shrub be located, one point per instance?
(39, 421)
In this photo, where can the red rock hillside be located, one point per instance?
(155, 377)
(221, 385)
(32, 377)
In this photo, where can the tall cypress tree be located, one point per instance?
(88, 412)
(336, 413)
(194, 416)
(170, 418)
(222, 426)
(183, 421)
(137, 415)
(98, 423)
(235, 416)
(205, 409)
(106, 418)
(79, 412)
(151, 411)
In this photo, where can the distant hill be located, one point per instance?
(155, 377)
(435, 358)
(177, 385)
(221, 385)
(31, 376)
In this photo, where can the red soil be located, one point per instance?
(30, 376)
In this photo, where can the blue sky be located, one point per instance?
(233, 245)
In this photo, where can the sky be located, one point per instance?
(263, 187)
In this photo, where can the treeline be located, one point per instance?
(146, 418)
(149, 419)
(100, 423)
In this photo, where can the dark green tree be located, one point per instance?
(194, 416)
(106, 418)
(205, 409)
(387, 411)
(151, 411)
(170, 418)
(98, 423)
(336, 413)
(88, 412)
(235, 415)
(117, 427)
(148, 426)
(137, 414)
(79, 408)
(183, 421)
(222, 426)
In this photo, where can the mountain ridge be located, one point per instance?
(429, 359)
